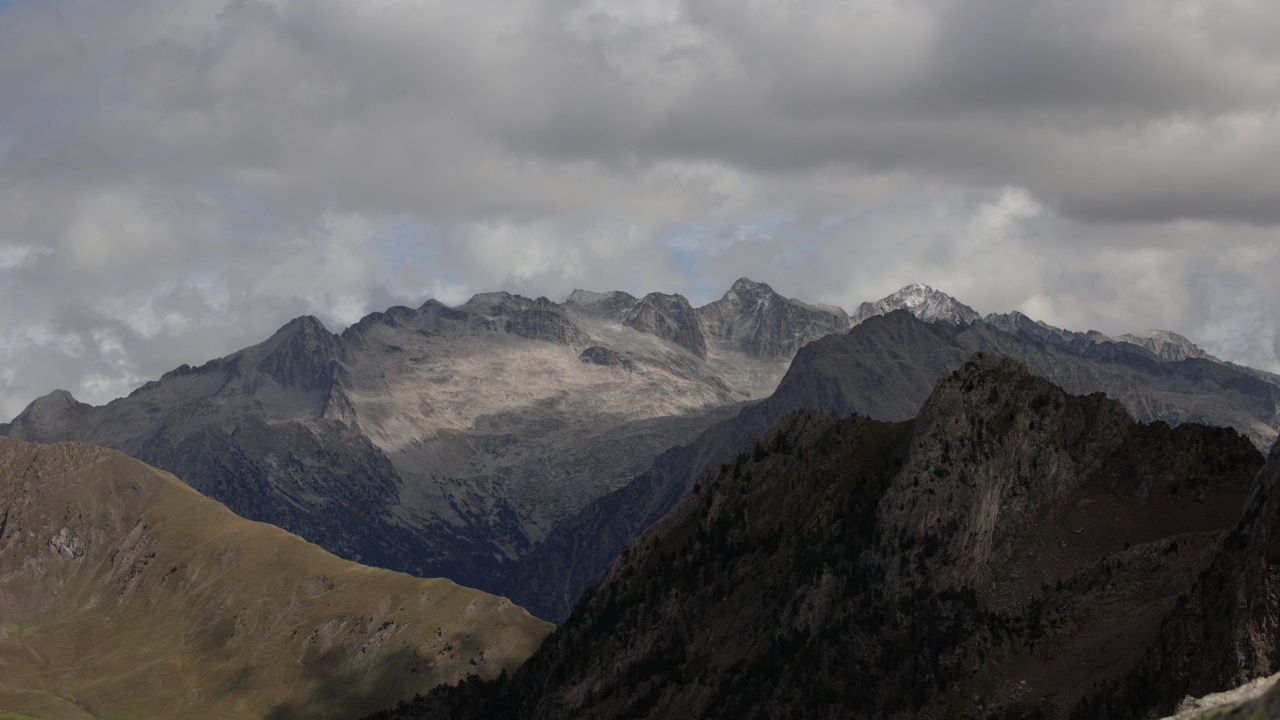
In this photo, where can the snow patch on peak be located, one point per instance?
(922, 301)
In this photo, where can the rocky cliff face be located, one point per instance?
(1003, 555)
(754, 319)
(669, 317)
(123, 593)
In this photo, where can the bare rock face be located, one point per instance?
(762, 323)
(1258, 698)
(1166, 345)
(303, 354)
(597, 355)
(47, 417)
(669, 317)
(611, 305)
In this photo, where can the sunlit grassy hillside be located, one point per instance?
(125, 594)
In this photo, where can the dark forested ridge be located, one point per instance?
(1013, 551)
(885, 368)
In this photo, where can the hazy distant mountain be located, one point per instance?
(124, 593)
(449, 441)
(932, 305)
(885, 368)
(1008, 553)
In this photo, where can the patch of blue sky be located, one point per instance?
(688, 263)
(693, 243)
(712, 236)
(831, 221)
(408, 242)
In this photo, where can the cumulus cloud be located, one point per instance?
(180, 177)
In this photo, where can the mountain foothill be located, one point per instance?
(759, 507)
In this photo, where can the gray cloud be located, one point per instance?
(179, 178)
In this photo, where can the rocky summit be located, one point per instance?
(1014, 551)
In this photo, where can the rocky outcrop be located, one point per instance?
(669, 317)
(303, 354)
(1168, 346)
(754, 319)
(47, 417)
(597, 355)
(1258, 698)
(546, 325)
(612, 305)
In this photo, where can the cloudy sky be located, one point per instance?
(178, 178)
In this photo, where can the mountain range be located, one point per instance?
(748, 503)
(885, 368)
(517, 445)
(1013, 551)
(448, 441)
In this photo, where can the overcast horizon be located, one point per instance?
(179, 178)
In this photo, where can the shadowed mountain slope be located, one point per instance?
(1005, 554)
(124, 593)
(885, 368)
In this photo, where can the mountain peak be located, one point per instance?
(1169, 346)
(611, 305)
(922, 301)
(669, 317)
(302, 325)
(45, 417)
(753, 318)
(747, 285)
(300, 354)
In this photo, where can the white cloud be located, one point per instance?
(179, 178)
